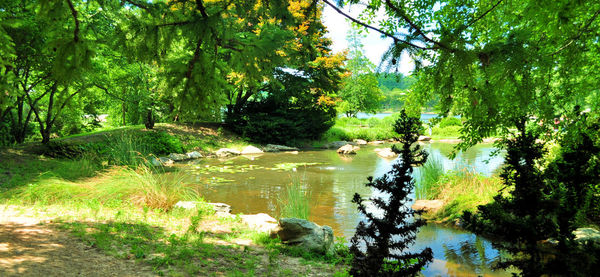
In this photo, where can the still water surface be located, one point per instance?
(254, 185)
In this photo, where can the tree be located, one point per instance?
(494, 62)
(360, 89)
(385, 238)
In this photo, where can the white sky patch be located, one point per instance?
(374, 45)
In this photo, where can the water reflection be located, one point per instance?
(255, 185)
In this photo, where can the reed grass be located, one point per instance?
(427, 178)
(295, 202)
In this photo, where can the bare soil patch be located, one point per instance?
(34, 247)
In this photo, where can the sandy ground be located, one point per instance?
(32, 247)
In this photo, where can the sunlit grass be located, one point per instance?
(428, 176)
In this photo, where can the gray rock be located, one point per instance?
(376, 142)
(306, 234)
(424, 138)
(194, 155)
(386, 153)
(348, 149)
(178, 157)
(260, 222)
(226, 152)
(155, 161)
(277, 148)
(337, 144)
(251, 150)
(165, 161)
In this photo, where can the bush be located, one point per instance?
(450, 131)
(450, 121)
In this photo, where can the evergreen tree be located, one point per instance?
(386, 238)
(525, 216)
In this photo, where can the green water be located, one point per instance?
(253, 184)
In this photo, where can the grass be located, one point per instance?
(370, 129)
(462, 190)
(428, 176)
(295, 204)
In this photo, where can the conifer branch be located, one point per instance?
(579, 34)
(482, 15)
(387, 34)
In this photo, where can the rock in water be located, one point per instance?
(194, 155)
(386, 153)
(251, 150)
(348, 149)
(360, 141)
(178, 157)
(337, 144)
(306, 234)
(226, 152)
(165, 161)
(277, 148)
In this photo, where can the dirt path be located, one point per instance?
(31, 247)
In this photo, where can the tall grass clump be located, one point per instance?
(295, 200)
(464, 190)
(126, 149)
(428, 177)
(148, 187)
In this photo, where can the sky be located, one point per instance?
(374, 46)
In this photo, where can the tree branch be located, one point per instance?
(107, 92)
(414, 26)
(482, 15)
(201, 8)
(74, 14)
(396, 39)
(180, 23)
(65, 103)
(576, 37)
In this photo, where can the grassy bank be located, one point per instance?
(101, 190)
(460, 190)
(371, 129)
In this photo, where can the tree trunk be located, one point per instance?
(149, 122)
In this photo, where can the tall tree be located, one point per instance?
(360, 89)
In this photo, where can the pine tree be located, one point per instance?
(386, 238)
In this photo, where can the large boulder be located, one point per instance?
(386, 153)
(348, 149)
(337, 144)
(250, 150)
(277, 148)
(306, 234)
(194, 155)
(178, 157)
(428, 205)
(260, 222)
(226, 152)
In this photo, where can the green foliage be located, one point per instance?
(450, 121)
(350, 128)
(381, 239)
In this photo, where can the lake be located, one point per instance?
(253, 184)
